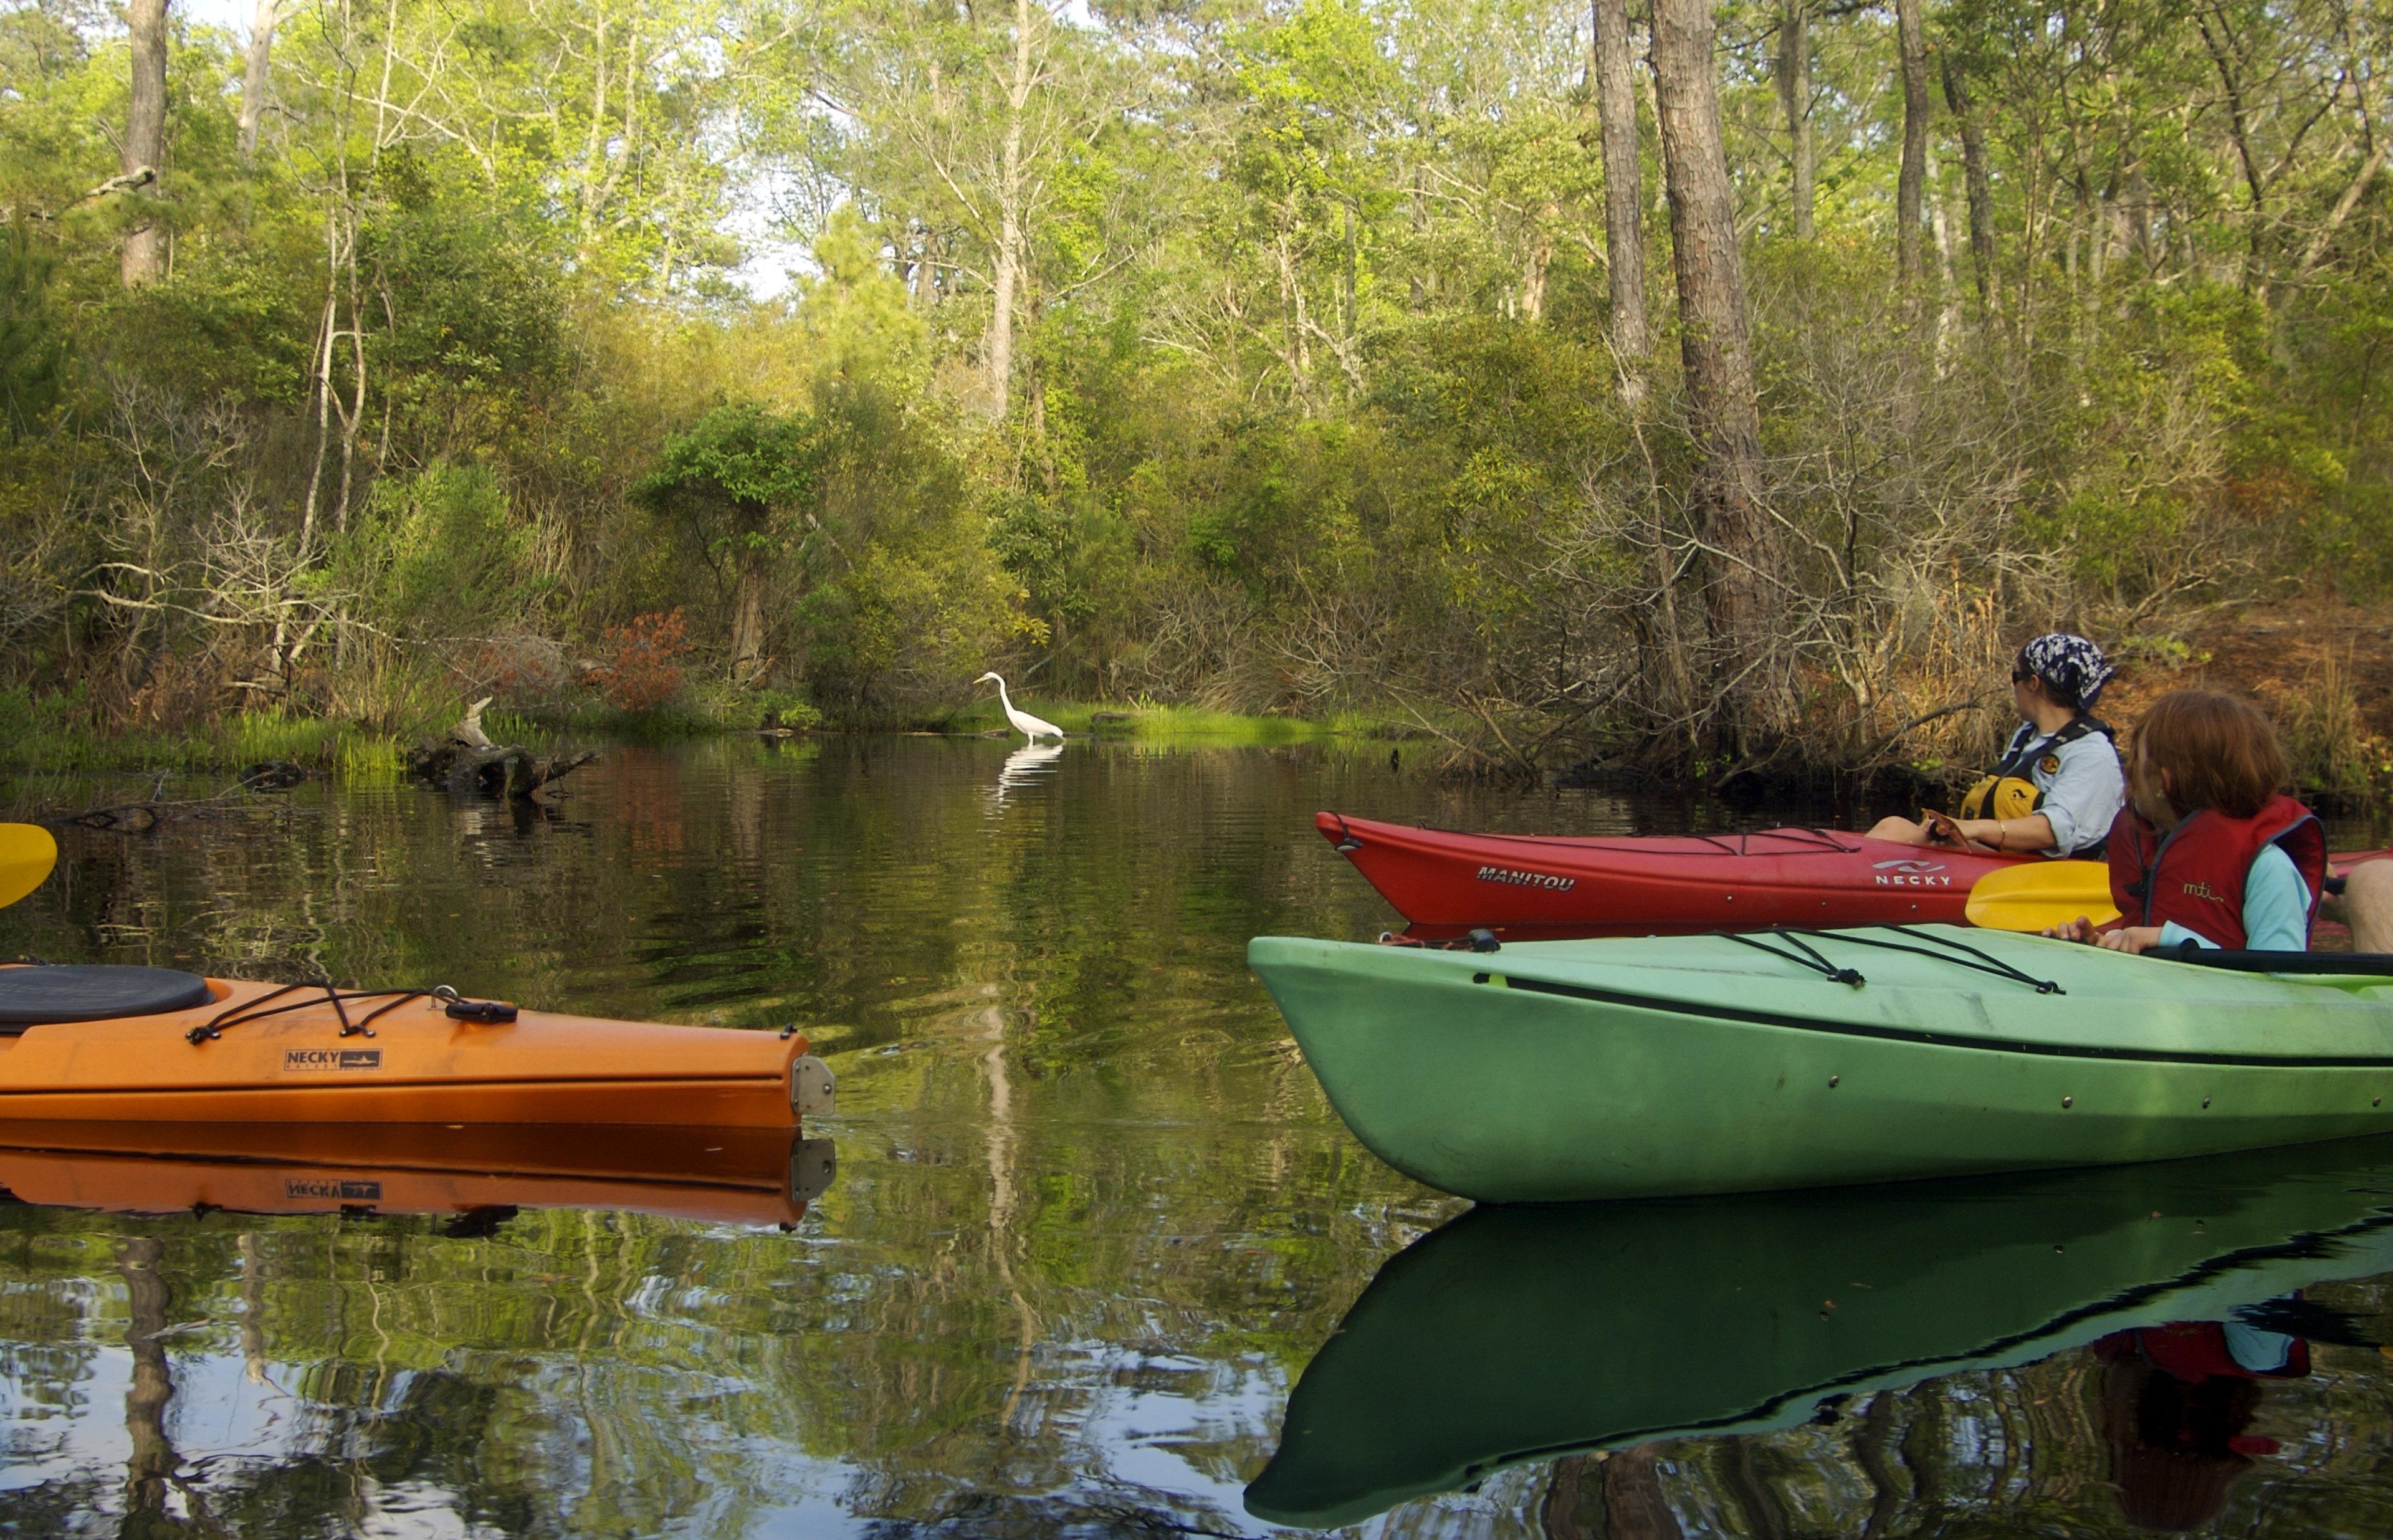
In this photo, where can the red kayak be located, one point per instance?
(1622, 884)
(1548, 885)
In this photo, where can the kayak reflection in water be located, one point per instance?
(2209, 850)
(2177, 1402)
(2057, 786)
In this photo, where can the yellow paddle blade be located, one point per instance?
(27, 854)
(2035, 895)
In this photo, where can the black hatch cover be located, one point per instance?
(92, 992)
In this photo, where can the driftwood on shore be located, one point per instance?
(468, 763)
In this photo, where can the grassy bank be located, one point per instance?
(52, 737)
(48, 735)
(1102, 719)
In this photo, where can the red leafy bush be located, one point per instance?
(639, 666)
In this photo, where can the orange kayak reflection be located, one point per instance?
(730, 1176)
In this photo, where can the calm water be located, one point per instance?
(1091, 1227)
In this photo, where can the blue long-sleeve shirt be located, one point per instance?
(2276, 908)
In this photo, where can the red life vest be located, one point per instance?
(2192, 1351)
(2194, 874)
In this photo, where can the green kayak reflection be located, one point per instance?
(1519, 1334)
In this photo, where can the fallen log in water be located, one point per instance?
(140, 817)
(468, 763)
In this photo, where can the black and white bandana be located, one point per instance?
(2071, 664)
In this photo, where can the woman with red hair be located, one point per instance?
(2209, 848)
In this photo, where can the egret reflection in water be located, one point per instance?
(1027, 766)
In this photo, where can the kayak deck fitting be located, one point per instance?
(1796, 1058)
(232, 1051)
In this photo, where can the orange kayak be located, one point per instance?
(739, 1176)
(175, 1047)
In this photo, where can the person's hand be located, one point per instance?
(1943, 829)
(2131, 938)
(2079, 928)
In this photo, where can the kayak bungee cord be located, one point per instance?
(458, 1009)
(1984, 962)
(1808, 957)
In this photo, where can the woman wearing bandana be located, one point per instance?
(2057, 787)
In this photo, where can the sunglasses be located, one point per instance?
(2020, 676)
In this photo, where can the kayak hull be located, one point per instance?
(756, 1103)
(1564, 1071)
(415, 1063)
(1655, 885)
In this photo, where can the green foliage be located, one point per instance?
(435, 554)
(33, 346)
(731, 474)
(1310, 404)
(856, 313)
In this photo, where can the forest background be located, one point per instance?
(1709, 388)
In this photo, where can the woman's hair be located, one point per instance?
(2219, 751)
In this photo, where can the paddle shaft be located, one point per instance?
(2375, 963)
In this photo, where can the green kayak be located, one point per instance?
(1522, 1333)
(1655, 1067)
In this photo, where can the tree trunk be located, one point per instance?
(926, 272)
(1416, 218)
(257, 79)
(1624, 195)
(144, 259)
(1910, 42)
(150, 1460)
(1794, 99)
(1635, 1507)
(748, 622)
(1980, 186)
(1350, 315)
(1009, 230)
(1722, 416)
(2238, 122)
(1541, 257)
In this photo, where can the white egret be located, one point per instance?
(1031, 727)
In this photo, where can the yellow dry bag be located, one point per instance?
(2007, 792)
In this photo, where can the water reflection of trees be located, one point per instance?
(611, 1374)
(577, 1374)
